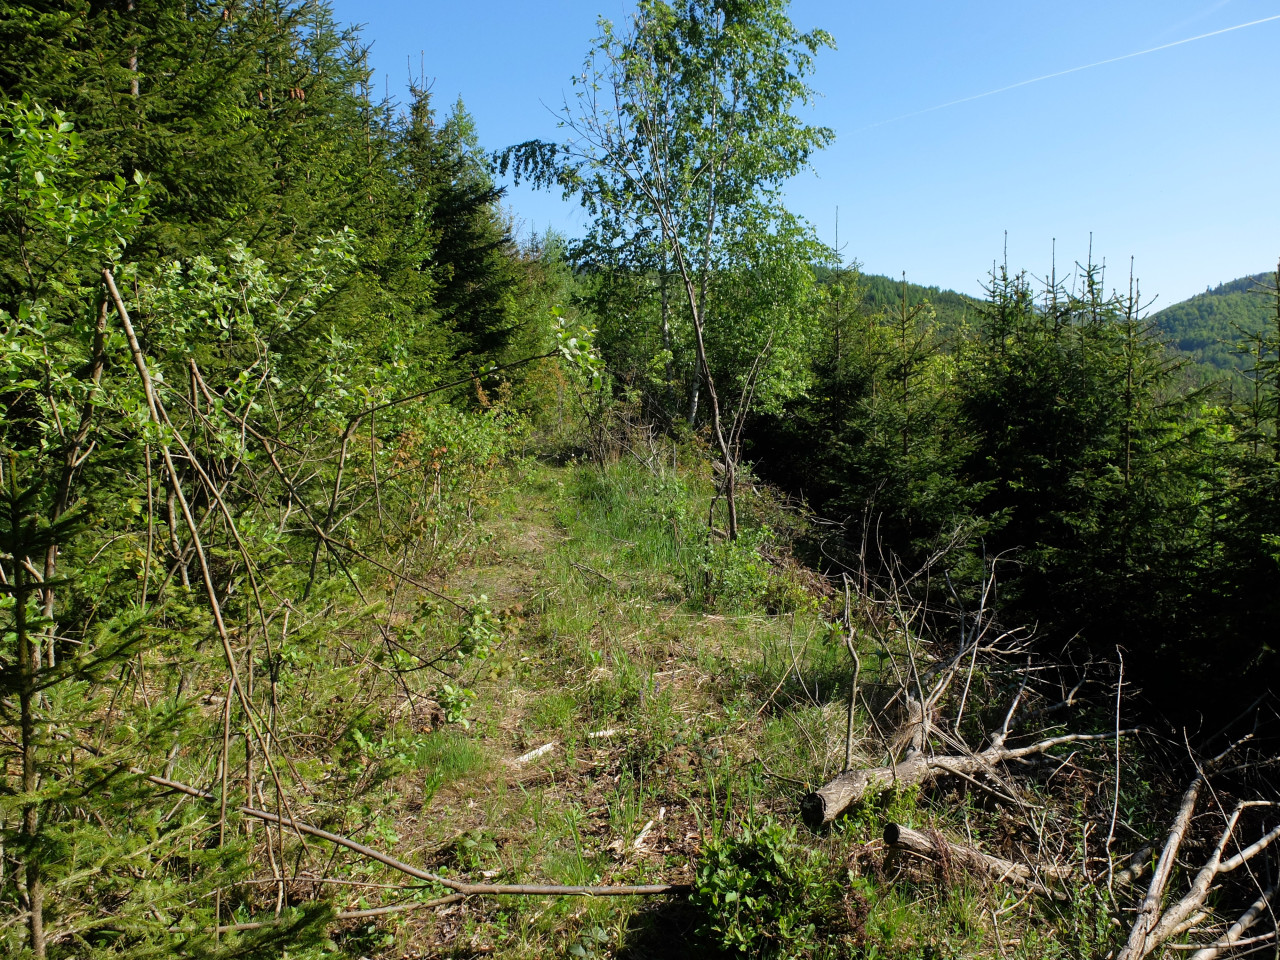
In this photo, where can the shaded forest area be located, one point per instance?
(1052, 430)
(329, 511)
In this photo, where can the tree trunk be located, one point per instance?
(28, 668)
(131, 9)
(669, 368)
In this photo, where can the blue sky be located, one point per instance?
(1171, 158)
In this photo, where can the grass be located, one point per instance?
(448, 757)
(716, 712)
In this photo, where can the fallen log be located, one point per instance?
(826, 803)
(936, 848)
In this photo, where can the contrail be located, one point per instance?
(1063, 73)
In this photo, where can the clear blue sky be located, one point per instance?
(1171, 157)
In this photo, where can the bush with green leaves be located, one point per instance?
(739, 575)
(218, 508)
(761, 893)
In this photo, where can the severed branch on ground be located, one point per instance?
(462, 887)
(925, 665)
(1135, 865)
(924, 748)
(355, 914)
(829, 801)
(1235, 937)
(1156, 924)
(934, 847)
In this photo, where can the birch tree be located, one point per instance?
(684, 128)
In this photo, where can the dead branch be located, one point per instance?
(1134, 868)
(1156, 924)
(354, 914)
(934, 847)
(849, 634)
(537, 752)
(828, 802)
(1233, 937)
(159, 418)
(459, 886)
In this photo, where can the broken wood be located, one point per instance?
(1235, 936)
(537, 752)
(936, 848)
(1136, 865)
(496, 889)
(611, 732)
(827, 802)
(1156, 924)
(1139, 944)
(352, 914)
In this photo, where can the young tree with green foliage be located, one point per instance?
(1045, 404)
(93, 861)
(232, 112)
(444, 184)
(1239, 588)
(877, 441)
(684, 132)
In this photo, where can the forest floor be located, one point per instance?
(617, 726)
(651, 716)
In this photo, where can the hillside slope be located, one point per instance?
(885, 293)
(1209, 325)
(880, 293)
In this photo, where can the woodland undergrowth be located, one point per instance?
(355, 605)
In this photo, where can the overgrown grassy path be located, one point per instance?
(647, 710)
(642, 703)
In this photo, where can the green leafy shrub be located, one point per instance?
(763, 894)
(731, 573)
(737, 574)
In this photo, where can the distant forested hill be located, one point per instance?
(1209, 325)
(885, 293)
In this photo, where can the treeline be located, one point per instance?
(1050, 439)
(1047, 438)
(254, 123)
(951, 310)
(266, 342)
